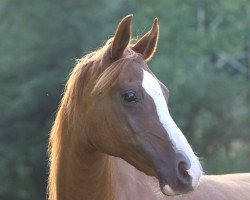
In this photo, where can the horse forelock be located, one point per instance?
(110, 75)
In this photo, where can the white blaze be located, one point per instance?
(152, 87)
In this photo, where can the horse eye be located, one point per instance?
(130, 96)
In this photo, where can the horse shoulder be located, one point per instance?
(220, 187)
(133, 184)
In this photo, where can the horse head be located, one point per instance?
(126, 113)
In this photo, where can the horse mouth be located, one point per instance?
(171, 187)
(167, 190)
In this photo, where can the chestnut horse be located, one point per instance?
(113, 137)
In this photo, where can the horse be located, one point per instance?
(114, 139)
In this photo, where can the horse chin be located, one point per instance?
(167, 190)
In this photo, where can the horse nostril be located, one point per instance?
(183, 174)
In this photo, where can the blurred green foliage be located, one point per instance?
(203, 57)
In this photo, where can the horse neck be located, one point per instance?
(82, 172)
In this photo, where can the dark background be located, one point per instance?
(203, 57)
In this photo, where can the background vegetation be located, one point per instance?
(203, 57)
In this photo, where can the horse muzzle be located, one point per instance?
(180, 178)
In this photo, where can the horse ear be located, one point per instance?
(122, 37)
(148, 43)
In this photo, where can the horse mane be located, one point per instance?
(72, 92)
(86, 69)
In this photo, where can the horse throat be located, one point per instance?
(82, 172)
